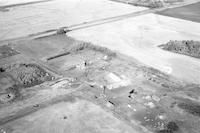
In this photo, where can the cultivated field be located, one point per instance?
(189, 12)
(30, 19)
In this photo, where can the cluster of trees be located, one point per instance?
(149, 3)
(28, 74)
(85, 45)
(187, 47)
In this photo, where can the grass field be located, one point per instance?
(70, 117)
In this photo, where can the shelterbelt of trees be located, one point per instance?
(186, 47)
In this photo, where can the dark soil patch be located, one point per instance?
(189, 12)
(190, 107)
(6, 51)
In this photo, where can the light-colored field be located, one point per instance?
(138, 37)
(24, 20)
(69, 117)
(13, 2)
